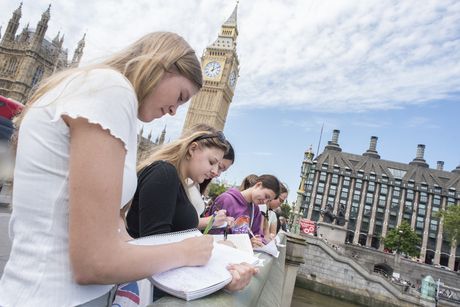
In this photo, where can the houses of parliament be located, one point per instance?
(27, 56)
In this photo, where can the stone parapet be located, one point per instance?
(329, 269)
(264, 290)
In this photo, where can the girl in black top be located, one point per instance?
(160, 204)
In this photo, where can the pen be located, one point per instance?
(210, 222)
(251, 233)
(225, 233)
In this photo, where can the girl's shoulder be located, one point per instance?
(162, 169)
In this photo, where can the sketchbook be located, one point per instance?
(240, 240)
(190, 283)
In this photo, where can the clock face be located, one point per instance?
(212, 69)
(232, 79)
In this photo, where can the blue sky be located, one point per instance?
(384, 68)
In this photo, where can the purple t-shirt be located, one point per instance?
(244, 213)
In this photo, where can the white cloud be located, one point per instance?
(332, 56)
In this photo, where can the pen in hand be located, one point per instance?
(225, 233)
(210, 223)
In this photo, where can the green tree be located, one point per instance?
(285, 209)
(451, 222)
(403, 240)
(215, 189)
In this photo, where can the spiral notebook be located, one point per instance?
(190, 283)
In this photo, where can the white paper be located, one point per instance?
(269, 248)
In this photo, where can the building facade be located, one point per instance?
(28, 57)
(376, 195)
(220, 68)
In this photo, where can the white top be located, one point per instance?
(38, 272)
(272, 220)
(194, 195)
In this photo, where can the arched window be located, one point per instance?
(37, 75)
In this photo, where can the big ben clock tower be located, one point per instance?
(220, 67)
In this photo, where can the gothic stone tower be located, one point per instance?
(27, 58)
(220, 67)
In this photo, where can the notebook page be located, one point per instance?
(191, 279)
(269, 248)
(240, 240)
(166, 238)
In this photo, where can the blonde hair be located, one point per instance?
(178, 151)
(143, 63)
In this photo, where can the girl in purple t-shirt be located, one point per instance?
(242, 205)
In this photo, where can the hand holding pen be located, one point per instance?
(256, 240)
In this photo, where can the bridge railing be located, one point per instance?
(272, 286)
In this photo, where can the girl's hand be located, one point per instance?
(256, 241)
(241, 275)
(220, 218)
(197, 251)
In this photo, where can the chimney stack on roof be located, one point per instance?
(334, 143)
(419, 159)
(372, 151)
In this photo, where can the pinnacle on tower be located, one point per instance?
(46, 14)
(18, 11)
(13, 25)
(78, 51)
(162, 136)
(56, 38)
(232, 20)
(42, 26)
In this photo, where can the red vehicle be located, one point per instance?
(9, 108)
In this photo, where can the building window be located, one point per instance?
(382, 201)
(369, 198)
(335, 179)
(410, 195)
(332, 190)
(397, 174)
(384, 189)
(11, 66)
(371, 187)
(37, 75)
(423, 197)
(396, 192)
(322, 177)
(320, 188)
(358, 184)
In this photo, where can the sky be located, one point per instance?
(389, 69)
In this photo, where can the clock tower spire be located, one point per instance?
(220, 67)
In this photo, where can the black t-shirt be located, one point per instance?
(160, 204)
